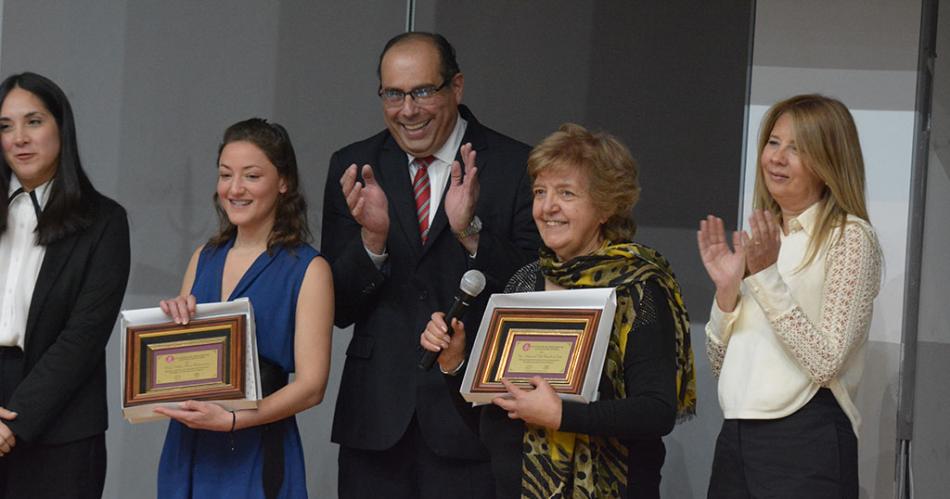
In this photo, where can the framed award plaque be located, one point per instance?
(212, 358)
(560, 336)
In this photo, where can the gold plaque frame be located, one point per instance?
(203, 360)
(564, 336)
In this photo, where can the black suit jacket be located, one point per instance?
(62, 395)
(381, 387)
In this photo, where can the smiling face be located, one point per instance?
(30, 138)
(419, 129)
(248, 185)
(565, 214)
(789, 181)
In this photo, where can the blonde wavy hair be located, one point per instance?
(609, 167)
(827, 142)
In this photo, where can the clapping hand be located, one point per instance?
(726, 266)
(368, 205)
(762, 250)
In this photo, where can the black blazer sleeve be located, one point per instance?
(356, 280)
(65, 349)
(649, 411)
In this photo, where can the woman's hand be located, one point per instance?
(7, 438)
(725, 266)
(436, 338)
(180, 308)
(762, 249)
(540, 406)
(200, 415)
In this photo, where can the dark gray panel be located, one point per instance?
(670, 80)
(326, 81)
(526, 68)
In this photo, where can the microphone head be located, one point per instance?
(473, 282)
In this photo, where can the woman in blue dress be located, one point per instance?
(260, 252)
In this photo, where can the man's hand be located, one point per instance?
(368, 205)
(462, 195)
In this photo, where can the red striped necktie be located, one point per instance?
(423, 193)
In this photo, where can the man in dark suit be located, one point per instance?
(406, 213)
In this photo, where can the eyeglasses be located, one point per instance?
(393, 97)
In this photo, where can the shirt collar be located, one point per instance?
(446, 153)
(805, 220)
(42, 191)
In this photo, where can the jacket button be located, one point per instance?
(423, 295)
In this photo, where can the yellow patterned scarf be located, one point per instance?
(571, 465)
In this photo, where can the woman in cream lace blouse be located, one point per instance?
(792, 310)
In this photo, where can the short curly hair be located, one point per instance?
(610, 169)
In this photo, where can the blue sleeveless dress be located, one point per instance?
(198, 464)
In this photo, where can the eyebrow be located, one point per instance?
(27, 115)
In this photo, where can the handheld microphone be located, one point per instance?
(473, 282)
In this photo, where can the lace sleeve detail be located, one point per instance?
(852, 282)
(715, 352)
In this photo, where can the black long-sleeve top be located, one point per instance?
(640, 420)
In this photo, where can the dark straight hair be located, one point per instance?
(70, 207)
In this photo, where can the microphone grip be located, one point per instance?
(459, 306)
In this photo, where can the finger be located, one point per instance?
(348, 178)
(513, 389)
(718, 231)
(192, 303)
(540, 383)
(738, 241)
(438, 338)
(506, 404)
(438, 320)
(181, 307)
(455, 173)
(7, 414)
(163, 304)
(458, 328)
(173, 310)
(468, 156)
(775, 231)
(354, 195)
(357, 209)
(428, 343)
(369, 178)
(744, 239)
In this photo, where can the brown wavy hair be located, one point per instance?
(827, 142)
(290, 220)
(609, 167)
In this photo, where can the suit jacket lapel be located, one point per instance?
(57, 254)
(392, 171)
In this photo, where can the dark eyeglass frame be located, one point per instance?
(395, 97)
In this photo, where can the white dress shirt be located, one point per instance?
(20, 262)
(439, 172)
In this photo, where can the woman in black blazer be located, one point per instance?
(64, 264)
